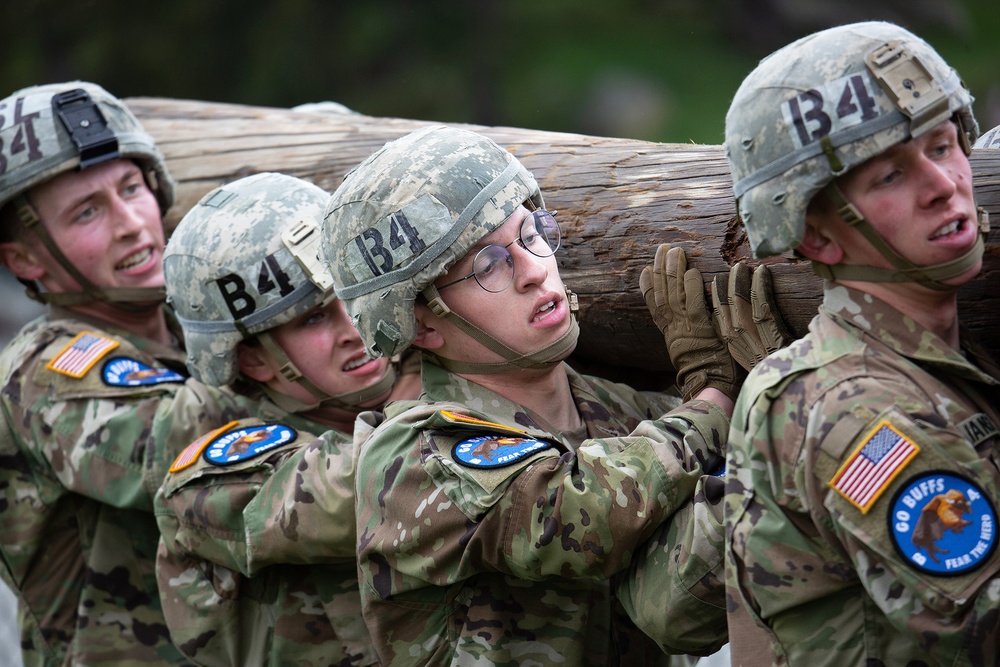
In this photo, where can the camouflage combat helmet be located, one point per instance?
(242, 261)
(405, 215)
(823, 105)
(989, 140)
(47, 130)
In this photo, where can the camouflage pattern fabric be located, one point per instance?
(408, 212)
(510, 564)
(83, 458)
(833, 544)
(51, 150)
(221, 523)
(231, 275)
(674, 590)
(990, 139)
(839, 86)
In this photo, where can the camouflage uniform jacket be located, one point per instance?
(91, 418)
(221, 523)
(486, 538)
(862, 491)
(674, 589)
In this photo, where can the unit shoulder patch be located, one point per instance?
(81, 353)
(245, 443)
(942, 523)
(883, 453)
(128, 372)
(495, 451)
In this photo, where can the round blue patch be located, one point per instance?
(247, 442)
(126, 372)
(495, 451)
(943, 523)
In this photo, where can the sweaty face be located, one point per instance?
(918, 197)
(107, 223)
(529, 314)
(326, 348)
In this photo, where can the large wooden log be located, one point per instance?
(617, 200)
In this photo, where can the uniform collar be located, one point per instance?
(854, 309)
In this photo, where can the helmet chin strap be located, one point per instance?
(349, 400)
(130, 299)
(546, 357)
(931, 276)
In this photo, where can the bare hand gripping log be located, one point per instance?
(618, 199)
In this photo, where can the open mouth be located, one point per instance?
(356, 363)
(544, 311)
(948, 229)
(134, 260)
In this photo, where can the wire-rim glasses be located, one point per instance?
(493, 266)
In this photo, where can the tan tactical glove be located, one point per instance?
(675, 296)
(747, 314)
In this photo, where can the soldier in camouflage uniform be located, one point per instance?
(95, 398)
(674, 588)
(492, 512)
(257, 306)
(862, 482)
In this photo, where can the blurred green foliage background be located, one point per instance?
(662, 70)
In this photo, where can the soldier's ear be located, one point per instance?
(818, 244)
(428, 337)
(252, 361)
(21, 260)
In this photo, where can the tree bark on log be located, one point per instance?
(617, 200)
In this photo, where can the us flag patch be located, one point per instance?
(194, 450)
(873, 465)
(81, 353)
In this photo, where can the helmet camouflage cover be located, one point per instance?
(47, 130)
(822, 105)
(244, 260)
(406, 214)
(989, 140)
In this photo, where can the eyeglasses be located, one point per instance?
(493, 267)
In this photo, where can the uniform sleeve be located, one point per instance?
(295, 615)
(812, 525)
(572, 514)
(674, 588)
(293, 504)
(304, 512)
(114, 445)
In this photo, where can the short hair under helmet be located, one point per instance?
(823, 105)
(406, 214)
(49, 129)
(244, 260)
